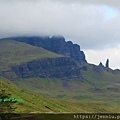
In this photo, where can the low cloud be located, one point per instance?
(85, 24)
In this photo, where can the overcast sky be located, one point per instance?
(93, 24)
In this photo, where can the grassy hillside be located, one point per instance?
(31, 102)
(37, 103)
(96, 86)
(79, 96)
(101, 77)
(13, 52)
(98, 91)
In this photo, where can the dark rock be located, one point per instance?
(101, 65)
(62, 68)
(84, 68)
(107, 63)
(55, 44)
(98, 69)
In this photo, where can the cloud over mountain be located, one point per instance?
(82, 22)
(90, 23)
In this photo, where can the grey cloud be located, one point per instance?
(112, 3)
(85, 24)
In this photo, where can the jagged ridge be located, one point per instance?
(62, 68)
(55, 44)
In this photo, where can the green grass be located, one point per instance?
(103, 79)
(79, 100)
(13, 53)
(34, 103)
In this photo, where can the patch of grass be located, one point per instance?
(14, 53)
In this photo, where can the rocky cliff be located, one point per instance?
(56, 44)
(61, 68)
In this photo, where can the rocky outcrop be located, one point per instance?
(101, 65)
(55, 44)
(61, 68)
(107, 63)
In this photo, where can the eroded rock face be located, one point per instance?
(107, 63)
(62, 68)
(101, 65)
(56, 44)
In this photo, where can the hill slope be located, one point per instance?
(14, 52)
(21, 60)
(33, 103)
(56, 44)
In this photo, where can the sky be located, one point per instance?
(93, 24)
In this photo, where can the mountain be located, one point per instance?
(55, 44)
(43, 72)
(20, 60)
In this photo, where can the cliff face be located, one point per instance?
(57, 45)
(62, 68)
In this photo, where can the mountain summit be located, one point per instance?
(56, 44)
